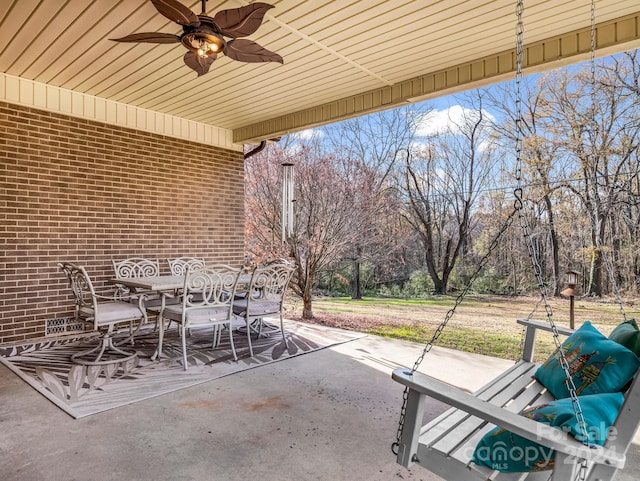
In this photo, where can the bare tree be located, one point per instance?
(442, 184)
(625, 69)
(370, 197)
(542, 166)
(324, 227)
(373, 143)
(598, 126)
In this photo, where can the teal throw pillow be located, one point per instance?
(627, 334)
(597, 364)
(510, 453)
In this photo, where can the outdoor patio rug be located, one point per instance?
(85, 390)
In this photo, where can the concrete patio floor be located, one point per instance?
(329, 415)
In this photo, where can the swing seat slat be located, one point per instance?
(510, 393)
(446, 444)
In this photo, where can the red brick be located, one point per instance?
(81, 191)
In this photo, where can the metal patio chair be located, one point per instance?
(142, 267)
(264, 297)
(179, 265)
(207, 299)
(103, 313)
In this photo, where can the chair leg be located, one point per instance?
(217, 335)
(184, 346)
(260, 324)
(160, 322)
(233, 347)
(106, 345)
(100, 347)
(112, 347)
(284, 338)
(156, 316)
(132, 333)
(249, 337)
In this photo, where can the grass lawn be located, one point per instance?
(482, 324)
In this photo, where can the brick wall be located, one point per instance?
(85, 192)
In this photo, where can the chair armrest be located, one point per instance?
(117, 296)
(135, 294)
(109, 296)
(543, 434)
(121, 291)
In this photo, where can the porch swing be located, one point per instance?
(447, 445)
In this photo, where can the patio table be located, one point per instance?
(156, 283)
(163, 285)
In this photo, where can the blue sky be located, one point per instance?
(450, 107)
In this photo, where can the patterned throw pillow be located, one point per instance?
(510, 453)
(628, 335)
(597, 364)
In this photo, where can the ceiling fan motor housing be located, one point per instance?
(204, 39)
(204, 36)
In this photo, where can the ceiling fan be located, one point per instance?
(204, 36)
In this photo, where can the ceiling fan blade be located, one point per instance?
(243, 21)
(249, 51)
(199, 64)
(176, 12)
(150, 37)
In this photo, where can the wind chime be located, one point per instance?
(287, 201)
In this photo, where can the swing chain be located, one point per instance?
(494, 244)
(531, 247)
(593, 45)
(480, 267)
(518, 191)
(496, 241)
(518, 209)
(582, 472)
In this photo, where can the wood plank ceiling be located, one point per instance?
(341, 57)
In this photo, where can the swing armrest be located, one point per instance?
(531, 327)
(543, 434)
(544, 326)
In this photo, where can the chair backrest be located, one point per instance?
(269, 283)
(136, 267)
(210, 287)
(179, 265)
(83, 292)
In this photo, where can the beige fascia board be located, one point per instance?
(29, 93)
(613, 36)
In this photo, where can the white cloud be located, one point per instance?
(439, 121)
(308, 134)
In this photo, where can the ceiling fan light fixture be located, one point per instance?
(204, 36)
(204, 44)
